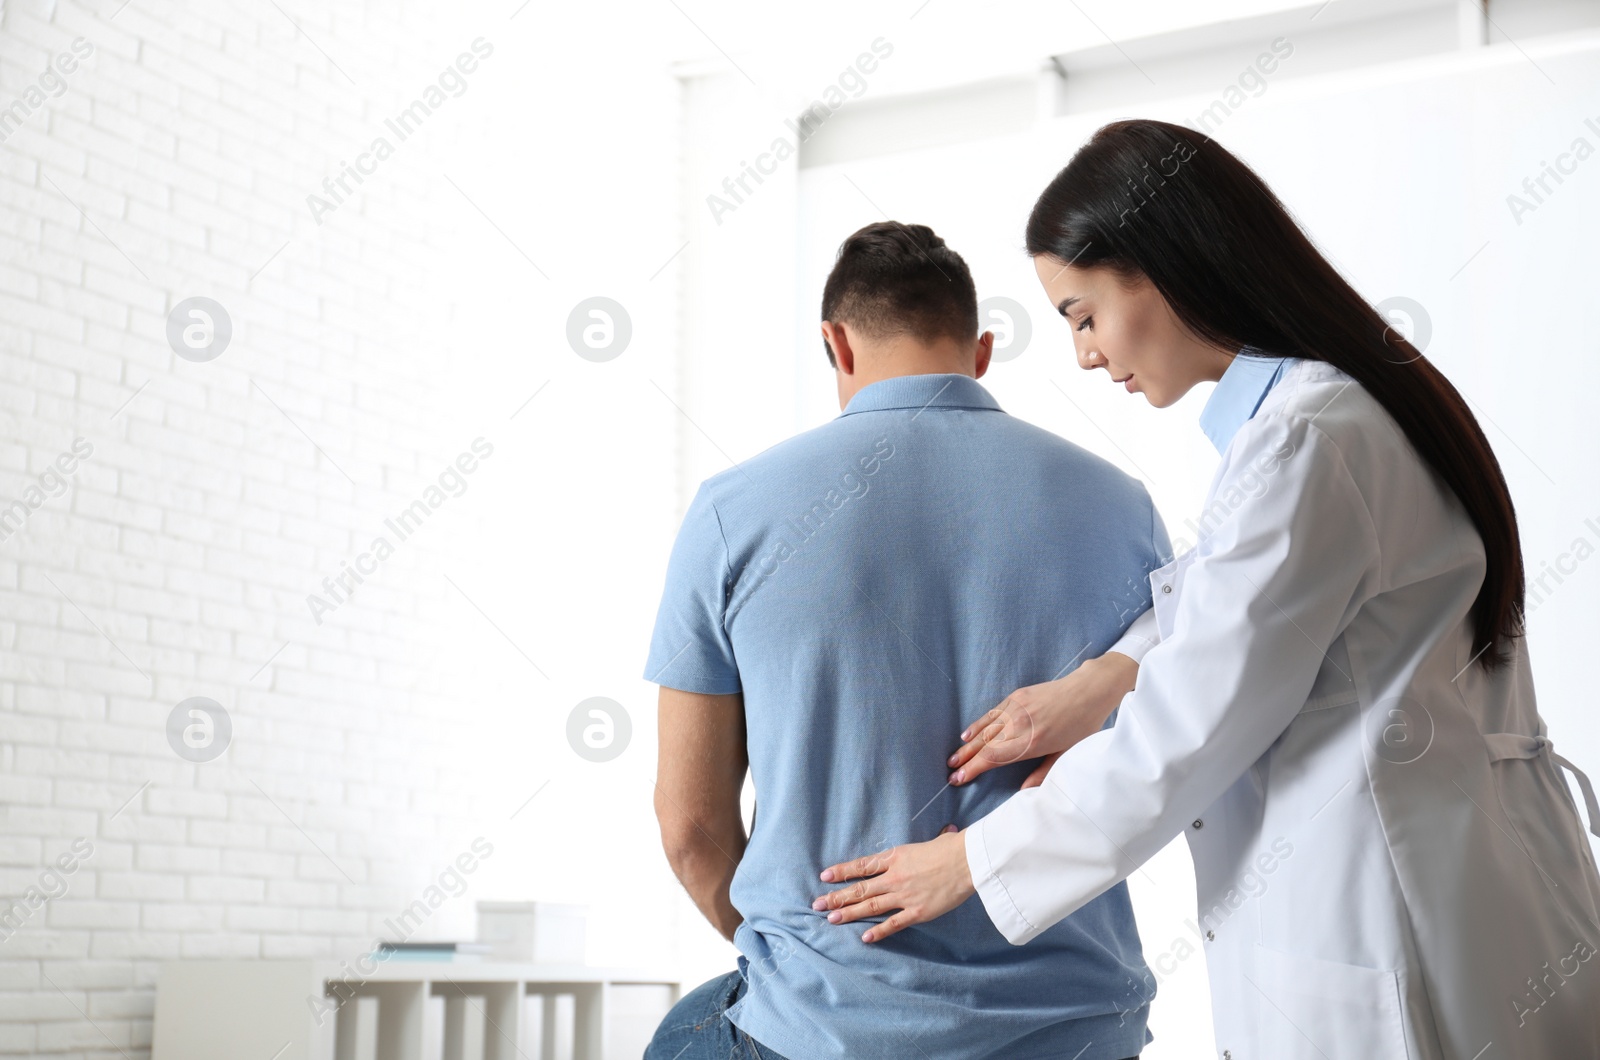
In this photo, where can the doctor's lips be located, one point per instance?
(1126, 381)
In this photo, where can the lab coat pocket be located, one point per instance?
(1165, 584)
(1319, 1009)
(1334, 686)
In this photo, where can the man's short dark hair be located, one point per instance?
(898, 279)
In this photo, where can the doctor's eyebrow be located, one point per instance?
(1066, 303)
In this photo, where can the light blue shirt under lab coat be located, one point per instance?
(1239, 393)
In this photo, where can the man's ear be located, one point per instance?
(984, 353)
(844, 358)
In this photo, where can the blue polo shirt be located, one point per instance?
(872, 587)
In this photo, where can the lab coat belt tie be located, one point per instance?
(1516, 745)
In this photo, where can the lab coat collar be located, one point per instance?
(1239, 393)
(936, 390)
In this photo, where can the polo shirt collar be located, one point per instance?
(937, 390)
(1239, 394)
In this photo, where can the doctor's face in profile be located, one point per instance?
(1127, 328)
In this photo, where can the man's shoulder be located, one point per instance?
(1032, 452)
(1046, 444)
(776, 464)
(1018, 450)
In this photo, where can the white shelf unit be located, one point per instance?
(207, 1009)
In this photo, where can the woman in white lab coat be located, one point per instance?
(1333, 698)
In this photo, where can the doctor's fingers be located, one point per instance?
(850, 904)
(995, 714)
(1005, 741)
(879, 906)
(990, 727)
(1011, 714)
(870, 865)
(899, 922)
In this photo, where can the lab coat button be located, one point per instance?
(1166, 588)
(1198, 823)
(1226, 1055)
(1211, 936)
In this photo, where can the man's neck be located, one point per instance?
(896, 358)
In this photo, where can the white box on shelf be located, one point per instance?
(541, 932)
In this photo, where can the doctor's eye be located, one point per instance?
(1087, 324)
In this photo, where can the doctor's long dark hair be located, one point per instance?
(1162, 201)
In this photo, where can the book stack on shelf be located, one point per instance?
(432, 951)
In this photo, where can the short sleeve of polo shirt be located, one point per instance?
(690, 649)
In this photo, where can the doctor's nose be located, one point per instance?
(1089, 360)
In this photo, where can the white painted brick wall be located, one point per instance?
(190, 537)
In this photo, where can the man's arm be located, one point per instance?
(699, 773)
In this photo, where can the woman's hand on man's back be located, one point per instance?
(1043, 720)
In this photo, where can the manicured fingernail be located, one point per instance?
(833, 917)
(966, 734)
(951, 761)
(820, 904)
(866, 936)
(827, 875)
(958, 777)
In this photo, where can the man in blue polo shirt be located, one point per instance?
(836, 610)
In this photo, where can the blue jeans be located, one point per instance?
(698, 1027)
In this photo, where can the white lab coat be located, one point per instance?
(1388, 862)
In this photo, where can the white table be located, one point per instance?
(269, 1009)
